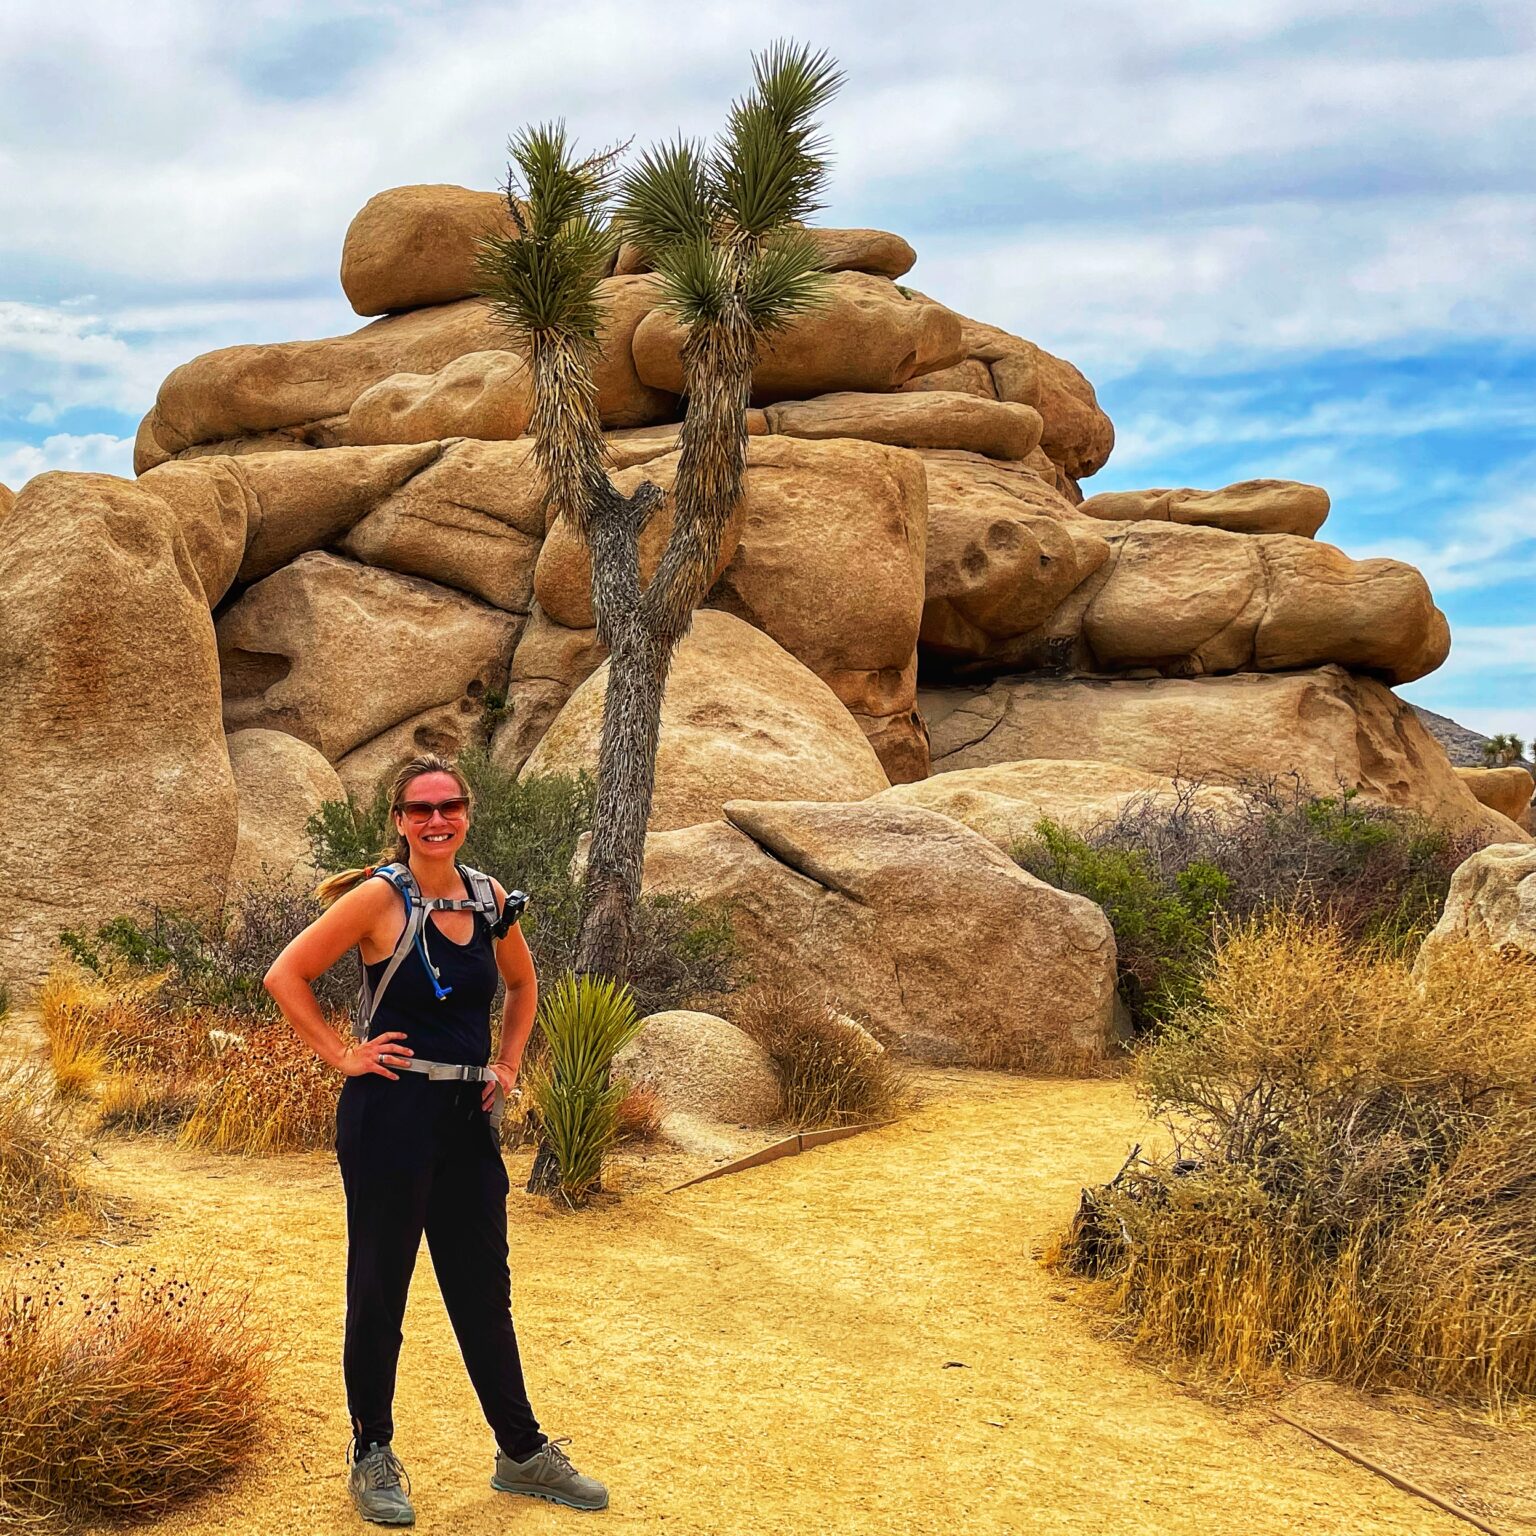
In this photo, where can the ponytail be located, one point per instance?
(334, 887)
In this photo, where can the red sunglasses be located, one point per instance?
(419, 812)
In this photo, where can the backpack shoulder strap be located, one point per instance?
(368, 998)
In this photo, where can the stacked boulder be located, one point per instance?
(343, 541)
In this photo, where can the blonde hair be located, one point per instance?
(337, 886)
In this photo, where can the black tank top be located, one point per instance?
(457, 1028)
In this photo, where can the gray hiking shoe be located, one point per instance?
(548, 1474)
(375, 1485)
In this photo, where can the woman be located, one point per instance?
(419, 1153)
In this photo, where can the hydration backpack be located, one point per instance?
(418, 908)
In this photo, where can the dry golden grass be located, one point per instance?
(1358, 1196)
(39, 1160)
(639, 1115)
(220, 1082)
(120, 1402)
(830, 1071)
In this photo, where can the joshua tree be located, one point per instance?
(721, 225)
(1502, 750)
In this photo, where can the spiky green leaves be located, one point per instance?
(543, 281)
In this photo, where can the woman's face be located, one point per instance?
(433, 816)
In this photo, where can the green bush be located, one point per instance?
(1169, 873)
(586, 1021)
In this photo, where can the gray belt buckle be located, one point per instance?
(445, 1072)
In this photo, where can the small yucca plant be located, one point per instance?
(586, 1021)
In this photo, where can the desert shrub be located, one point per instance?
(639, 1115)
(1166, 870)
(525, 832)
(40, 1159)
(585, 1021)
(830, 1071)
(120, 1401)
(1353, 1187)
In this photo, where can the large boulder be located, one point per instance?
(551, 661)
(910, 918)
(1193, 600)
(1004, 552)
(281, 782)
(932, 419)
(7, 499)
(1331, 729)
(740, 717)
(866, 334)
(876, 251)
(1505, 790)
(1249, 506)
(444, 729)
(471, 518)
(1006, 801)
(828, 560)
(1491, 903)
(117, 792)
(625, 397)
(412, 246)
(482, 394)
(699, 1065)
(336, 653)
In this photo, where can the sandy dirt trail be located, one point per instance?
(771, 1352)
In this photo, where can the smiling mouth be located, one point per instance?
(438, 837)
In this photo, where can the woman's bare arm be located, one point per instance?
(370, 911)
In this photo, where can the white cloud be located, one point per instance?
(89, 453)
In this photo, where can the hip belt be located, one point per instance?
(452, 1072)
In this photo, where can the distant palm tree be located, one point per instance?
(722, 226)
(1502, 750)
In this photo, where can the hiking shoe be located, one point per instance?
(548, 1474)
(374, 1483)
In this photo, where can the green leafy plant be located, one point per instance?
(586, 1021)
(1502, 750)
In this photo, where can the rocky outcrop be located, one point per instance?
(875, 251)
(482, 394)
(741, 717)
(117, 793)
(1328, 728)
(281, 782)
(699, 1065)
(866, 334)
(549, 664)
(1505, 790)
(336, 653)
(7, 499)
(1006, 801)
(1249, 506)
(934, 419)
(413, 246)
(445, 729)
(1492, 903)
(888, 908)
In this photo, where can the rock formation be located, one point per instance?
(1492, 903)
(362, 517)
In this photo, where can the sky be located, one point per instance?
(1289, 238)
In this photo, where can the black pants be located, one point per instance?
(421, 1156)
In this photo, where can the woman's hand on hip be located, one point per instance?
(376, 1054)
(506, 1079)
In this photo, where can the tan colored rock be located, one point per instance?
(740, 715)
(1329, 728)
(337, 653)
(1491, 903)
(1004, 802)
(907, 917)
(1249, 506)
(7, 499)
(698, 1064)
(865, 335)
(549, 664)
(841, 250)
(625, 398)
(412, 246)
(482, 395)
(147, 452)
(1505, 790)
(472, 518)
(281, 782)
(446, 729)
(970, 376)
(117, 792)
(1004, 551)
(935, 419)
(829, 561)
